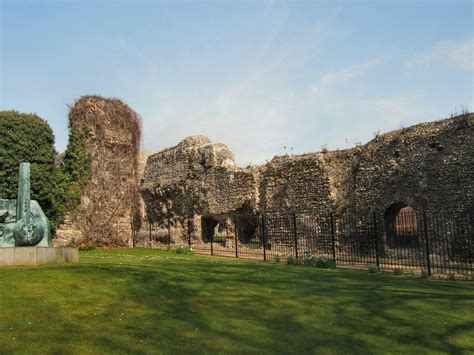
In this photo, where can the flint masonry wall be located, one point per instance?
(296, 183)
(193, 179)
(427, 166)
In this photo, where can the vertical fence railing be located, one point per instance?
(189, 233)
(427, 243)
(264, 238)
(169, 232)
(333, 239)
(211, 236)
(295, 234)
(437, 243)
(149, 229)
(376, 239)
(236, 238)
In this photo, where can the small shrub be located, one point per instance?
(276, 259)
(292, 260)
(86, 247)
(324, 262)
(397, 271)
(373, 269)
(308, 259)
(182, 250)
(424, 274)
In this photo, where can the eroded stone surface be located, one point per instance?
(110, 202)
(426, 166)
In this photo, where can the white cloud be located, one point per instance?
(458, 54)
(343, 75)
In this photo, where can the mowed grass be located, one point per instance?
(151, 301)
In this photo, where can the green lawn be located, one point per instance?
(151, 301)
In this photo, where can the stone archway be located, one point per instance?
(208, 225)
(401, 225)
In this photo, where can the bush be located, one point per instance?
(276, 259)
(322, 262)
(373, 269)
(27, 138)
(397, 271)
(181, 250)
(292, 260)
(308, 259)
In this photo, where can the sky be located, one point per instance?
(263, 77)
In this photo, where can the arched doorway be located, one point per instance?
(401, 226)
(208, 225)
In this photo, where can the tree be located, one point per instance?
(27, 138)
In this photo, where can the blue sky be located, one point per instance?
(256, 75)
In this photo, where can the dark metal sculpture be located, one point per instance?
(22, 221)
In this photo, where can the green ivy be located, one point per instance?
(71, 176)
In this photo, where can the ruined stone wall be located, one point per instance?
(295, 183)
(109, 203)
(195, 178)
(426, 166)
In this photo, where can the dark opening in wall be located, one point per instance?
(247, 232)
(401, 226)
(208, 225)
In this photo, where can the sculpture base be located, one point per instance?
(37, 255)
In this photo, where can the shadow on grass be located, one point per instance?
(184, 304)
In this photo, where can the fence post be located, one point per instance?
(264, 238)
(236, 238)
(149, 228)
(295, 235)
(377, 258)
(134, 235)
(211, 234)
(189, 233)
(333, 239)
(169, 232)
(427, 245)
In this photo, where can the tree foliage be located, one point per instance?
(29, 138)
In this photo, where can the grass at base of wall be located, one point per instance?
(152, 301)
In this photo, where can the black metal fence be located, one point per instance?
(410, 240)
